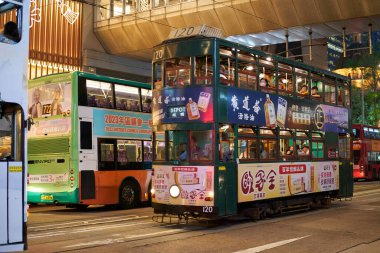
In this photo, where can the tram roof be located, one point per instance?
(240, 46)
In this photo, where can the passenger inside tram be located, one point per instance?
(314, 92)
(303, 90)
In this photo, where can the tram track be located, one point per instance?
(87, 222)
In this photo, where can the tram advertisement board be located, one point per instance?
(195, 184)
(187, 104)
(258, 181)
(270, 110)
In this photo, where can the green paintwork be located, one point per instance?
(225, 177)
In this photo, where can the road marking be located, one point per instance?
(45, 235)
(81, 230)
(86, 222)
(270, 245)
(118, 240)
(366, 194)
(151, 234)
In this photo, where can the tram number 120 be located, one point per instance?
(207, 209)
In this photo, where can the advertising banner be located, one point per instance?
(52, 97)
(189, 104)
(195, 183)
(273, 180)
(270, 110)
(119, 123)
(50, 105)
(50, 127)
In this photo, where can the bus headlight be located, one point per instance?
(174, 191)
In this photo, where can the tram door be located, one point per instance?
(227, 188)
(345, 166)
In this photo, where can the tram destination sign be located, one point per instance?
(202, 30)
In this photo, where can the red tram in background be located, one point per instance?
(366, 147)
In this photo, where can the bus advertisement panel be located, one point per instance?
(114, 123)
(270, 110)
(273, 180)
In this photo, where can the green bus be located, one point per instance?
(90, 143)
(240, 131)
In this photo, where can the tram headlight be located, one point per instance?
(174, 191)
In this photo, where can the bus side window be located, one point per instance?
(148, 151)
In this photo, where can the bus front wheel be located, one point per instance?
(128, 195)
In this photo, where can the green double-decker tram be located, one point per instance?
(239, 131)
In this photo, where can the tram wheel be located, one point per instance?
(128, 195)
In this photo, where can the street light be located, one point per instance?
(362, 95)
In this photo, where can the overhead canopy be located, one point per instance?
(252, 22)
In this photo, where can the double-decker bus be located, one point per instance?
(90, 143)
(239, 131)
(14, 46)
(366, 152)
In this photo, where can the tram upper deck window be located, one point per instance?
(247, 71)
(316, 87)
(227, 66)
(99, 94)
(285, 79)
(9, 26)
(204, 70)
(267, 75)
(157, 75)
(177, 72)
(302, 83)
(330, 91)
